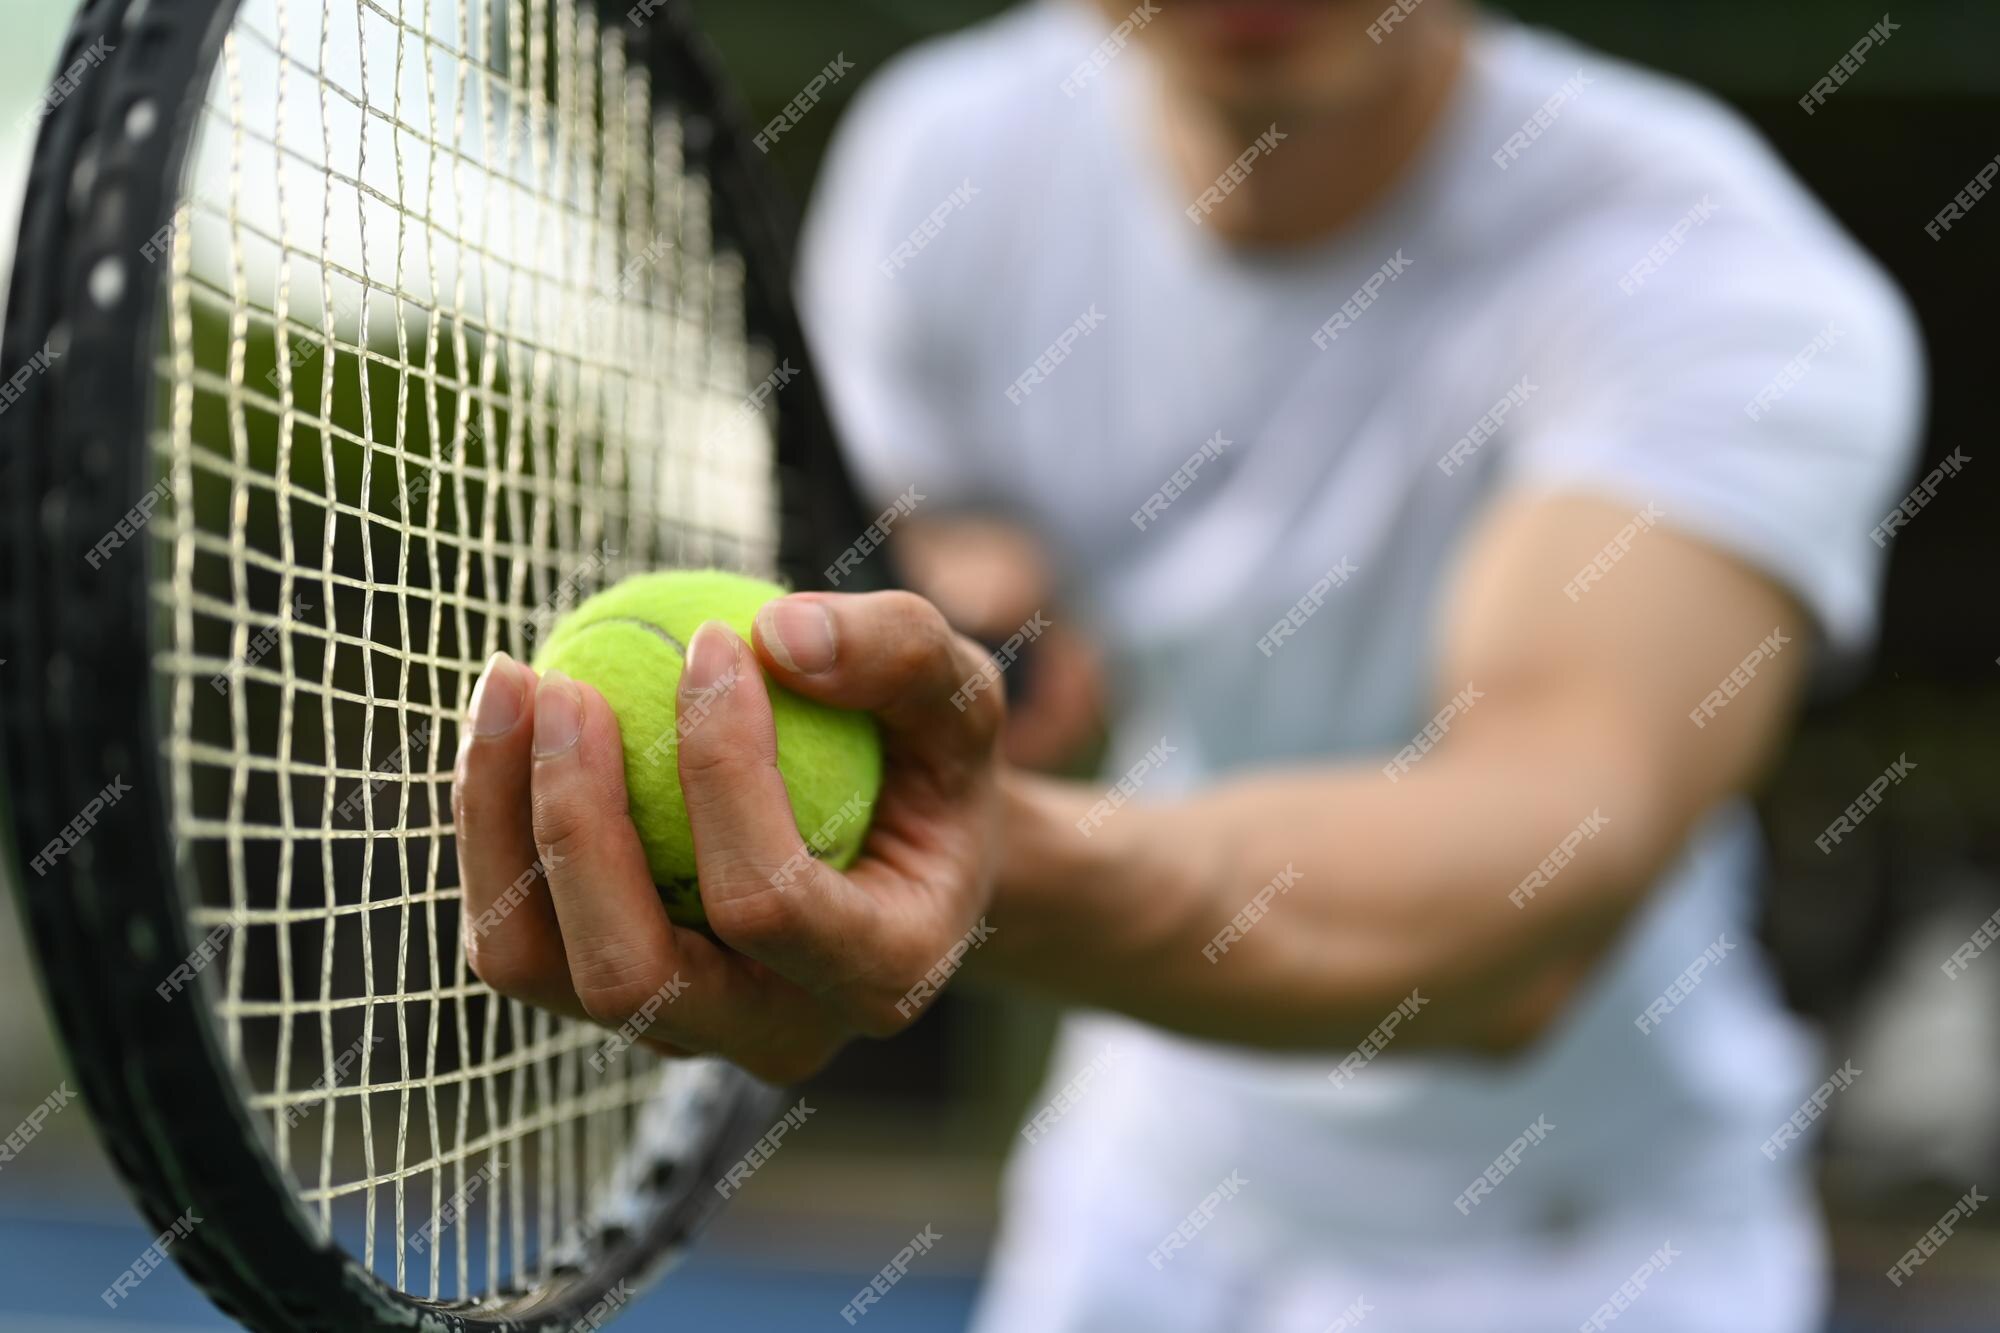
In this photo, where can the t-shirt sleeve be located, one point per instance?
(879, 324)
(1763, 397)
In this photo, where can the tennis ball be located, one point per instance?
(630, 642)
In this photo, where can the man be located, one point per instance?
(1465, 447)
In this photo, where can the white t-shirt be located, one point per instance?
(1678, 326)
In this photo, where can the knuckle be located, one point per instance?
(754, 921)
(985, 709)
(714, 751)
(914, 613)
(885, 993)
(913, 636)
(925, 637)
(506, 970)
(726, 750)
(696, 750)
(565, 822)
(615, 983)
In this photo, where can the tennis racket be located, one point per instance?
(349, 341)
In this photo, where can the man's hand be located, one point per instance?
(990, 577)
(561, 912)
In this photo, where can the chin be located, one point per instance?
(1265, 58)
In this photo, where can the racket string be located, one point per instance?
(448, 345)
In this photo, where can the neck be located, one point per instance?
(1335, 159)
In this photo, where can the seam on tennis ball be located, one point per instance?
(646, 625)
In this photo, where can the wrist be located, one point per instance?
(1074, 897)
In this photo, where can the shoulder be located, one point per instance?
(1654, 211)
(1713, 340)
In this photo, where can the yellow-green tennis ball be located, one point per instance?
(630, 642)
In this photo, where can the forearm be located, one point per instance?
(1294, 909)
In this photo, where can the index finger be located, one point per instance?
(626, 960)
(936, 693)
(765, 892)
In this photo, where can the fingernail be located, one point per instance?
(497, 699)
(799, 634)
(711, 662)
(558, 714)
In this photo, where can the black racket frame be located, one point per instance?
(79, 704)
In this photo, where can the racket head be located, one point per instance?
(122, 406)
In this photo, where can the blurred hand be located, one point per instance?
(990, 578)
(807, 956)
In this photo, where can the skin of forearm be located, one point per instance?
(1395, 887)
